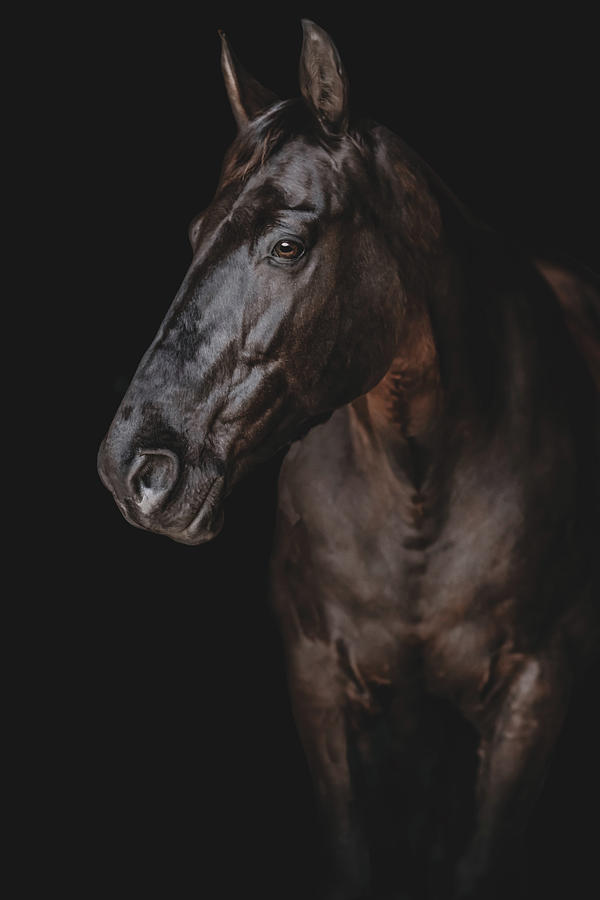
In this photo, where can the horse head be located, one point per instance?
(292, 306)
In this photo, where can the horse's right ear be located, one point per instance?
(247, 97)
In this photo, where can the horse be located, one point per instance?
(437, 391)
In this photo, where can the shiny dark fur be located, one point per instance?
(437, 535)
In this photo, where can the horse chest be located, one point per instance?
(403, 591)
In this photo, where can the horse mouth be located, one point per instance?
(205, 523)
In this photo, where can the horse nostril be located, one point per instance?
(151, 477)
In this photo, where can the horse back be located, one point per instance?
(577, 290)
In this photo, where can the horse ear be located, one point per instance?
(247, 97)
(323, 81)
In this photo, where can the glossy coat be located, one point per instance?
(437, 541)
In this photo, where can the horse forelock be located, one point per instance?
(268, 132)
(259, 140)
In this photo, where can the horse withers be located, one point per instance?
(437, 530)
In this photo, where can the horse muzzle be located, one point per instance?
(157, 492)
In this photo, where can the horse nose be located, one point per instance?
(145, 482)
(150, 479)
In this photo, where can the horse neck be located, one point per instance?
(464, 354)
(406, 405)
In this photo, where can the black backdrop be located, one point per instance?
(177, 761)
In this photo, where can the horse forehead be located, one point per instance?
(302, 174)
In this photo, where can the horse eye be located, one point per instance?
(288, 249)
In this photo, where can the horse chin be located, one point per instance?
(202, 528)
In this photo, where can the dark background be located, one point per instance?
(173, 760)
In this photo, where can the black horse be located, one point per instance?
(437, 539)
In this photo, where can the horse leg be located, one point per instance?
(320, 718)
(513, 761)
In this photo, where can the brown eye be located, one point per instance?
(288, 249)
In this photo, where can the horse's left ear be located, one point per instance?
(246, 95)
(323, 81)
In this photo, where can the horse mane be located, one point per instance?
(287, 119)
